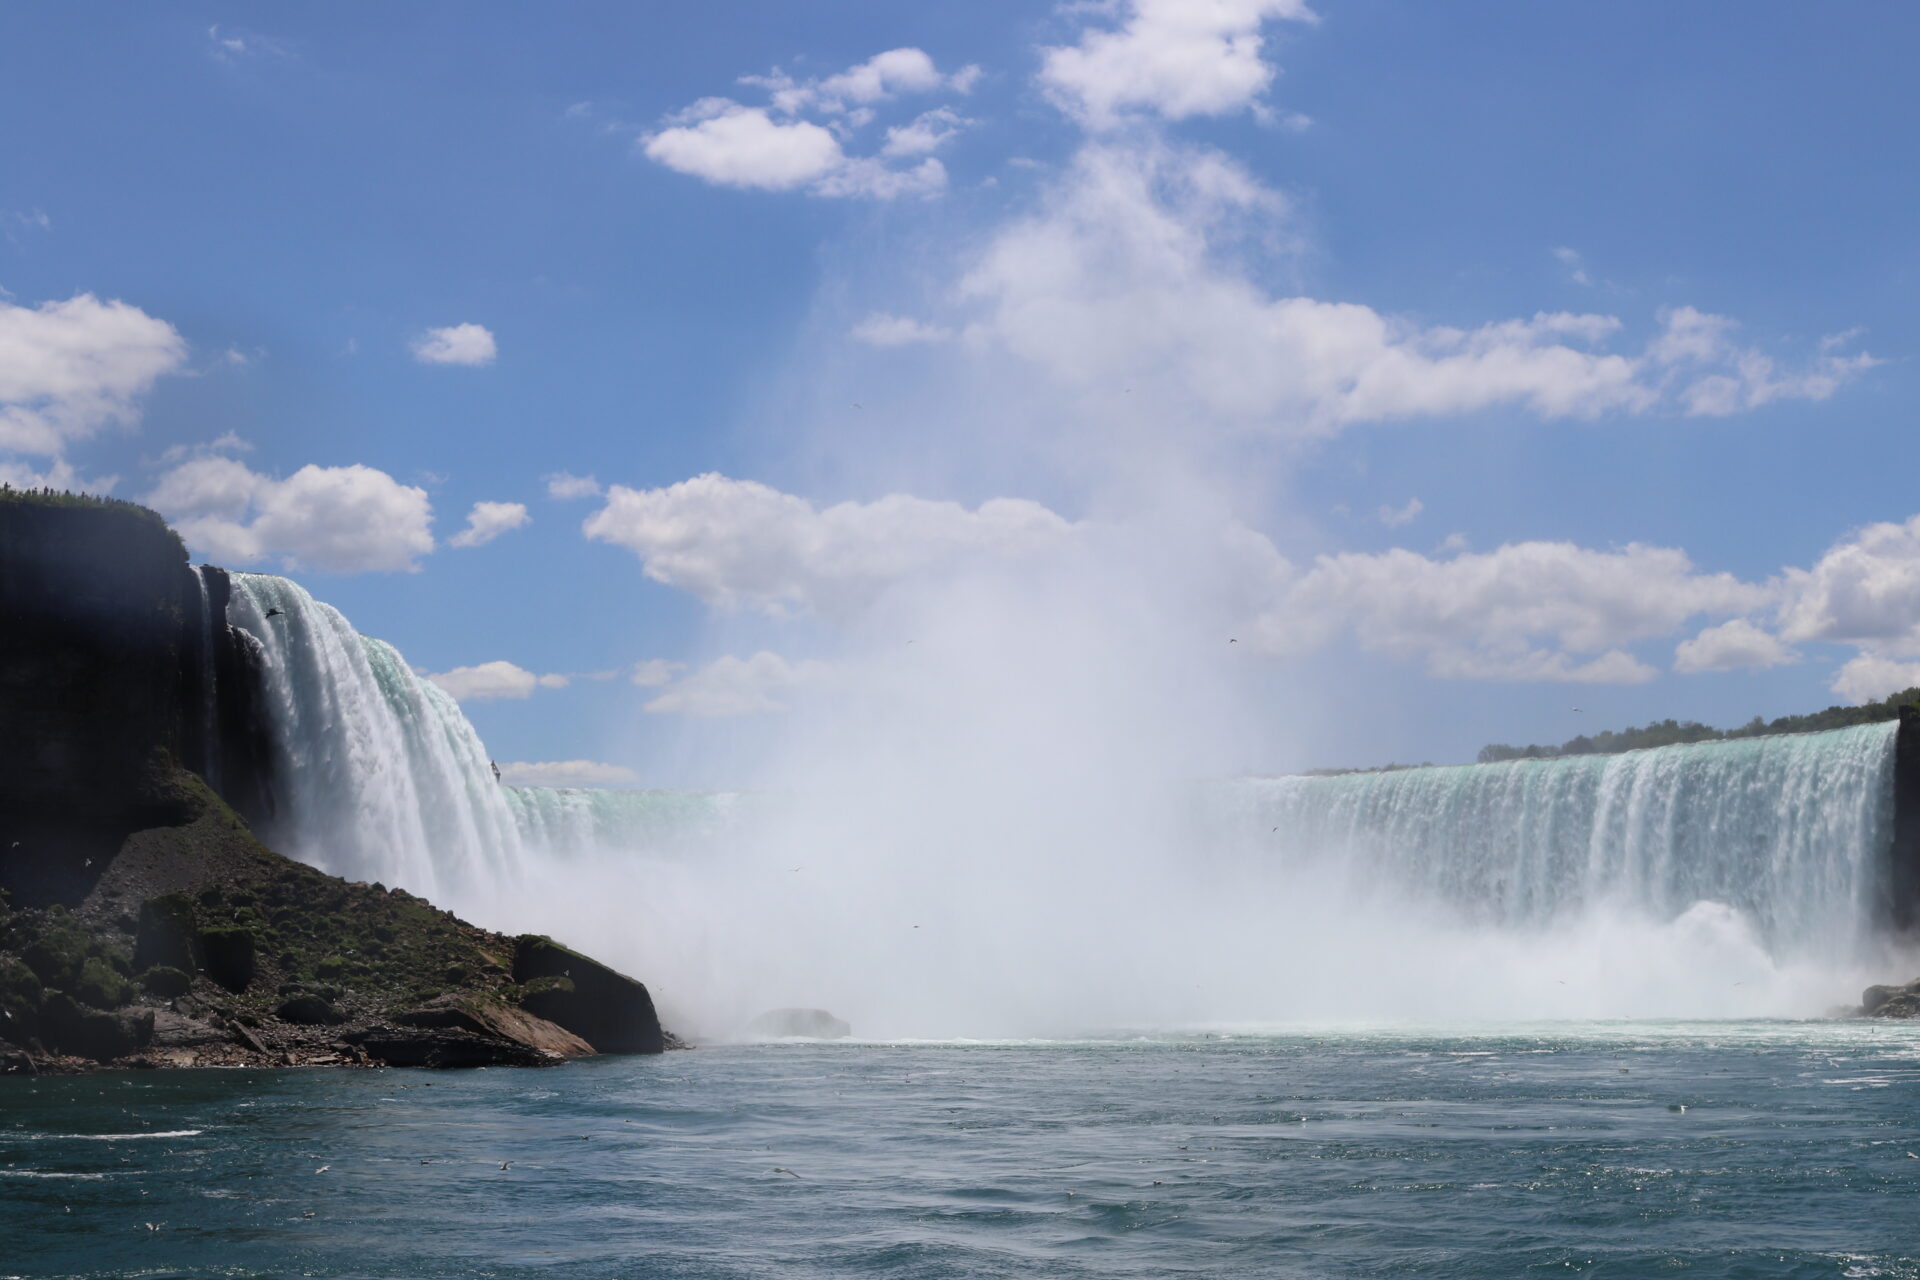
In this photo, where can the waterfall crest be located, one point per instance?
(1791, 831)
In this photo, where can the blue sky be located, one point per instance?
(1524, 356)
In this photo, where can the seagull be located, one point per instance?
(155, 1226)
(504, 1164)
(275, 613)
(793, 868)
(1576, 708)
(783, 1169)
(1231, 640)
(856, 406)
(323, 1168)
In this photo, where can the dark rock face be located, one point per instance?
(608, 1010)
(308, 1011)
(104, 657)
(1892, 1002)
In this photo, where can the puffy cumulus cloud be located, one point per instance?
(69, 368)
(1865, 590)
(1171, 58)
(777, 148)
(1870, 678)
(566, 773)
(566, 486)
(1526, 611)
(1132, 274)
(487, 521)
(732, 145)
(351, 519)
(465, 344)
(490, 680)
(731, 686)
(1731, 646)
(881, 329)
(741, 543)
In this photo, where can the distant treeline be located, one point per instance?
(1666, 733)
(64, 498)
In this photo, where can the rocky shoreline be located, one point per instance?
(197, 946)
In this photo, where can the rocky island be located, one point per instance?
(142, 923)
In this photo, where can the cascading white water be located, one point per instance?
(1724, 877)
(380, 777)
(573, 822)
(1791, 831)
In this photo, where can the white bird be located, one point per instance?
(323, 1168)
(783, 1169)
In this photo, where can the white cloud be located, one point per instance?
(487, 521)
(924, 134)
(1730, 646)
(1743, 378)
(655, 672)
(738, 146)
(731, 686)
(350, 519)
(1132, 275)
(492, 680)
(57, 474)
(882, 329)
(466, 344)
(1174, 58)
(1394, 517)
(1526, 611)
(566, 486)
(1869, 678)
(773, 148)
(738, 542)
(566, 773)
(1575, 265)
(231, 44)
(1865, 590)
(69, 368)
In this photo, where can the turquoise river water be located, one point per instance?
(1738, 1149)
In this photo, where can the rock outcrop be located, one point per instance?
(141, 923)
(1891, 1002)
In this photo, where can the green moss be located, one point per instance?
(99, 985)
(57, 953)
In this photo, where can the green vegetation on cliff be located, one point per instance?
(1666, 733)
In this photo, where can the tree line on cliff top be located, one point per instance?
(1666, 733)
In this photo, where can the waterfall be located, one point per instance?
(1793, 832)
(1617, 872)
(573, 822)
(381, 776)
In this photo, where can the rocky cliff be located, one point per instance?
(140, 920)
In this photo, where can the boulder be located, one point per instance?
(491, 1018)
(608, 1010)
(308, 1010)
(1891, 1002)
(815, 1024)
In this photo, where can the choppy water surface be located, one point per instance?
(1740, 1149)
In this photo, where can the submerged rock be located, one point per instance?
(815, 1024)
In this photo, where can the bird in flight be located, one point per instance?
(275, 613)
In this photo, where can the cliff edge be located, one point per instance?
(141, 922)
